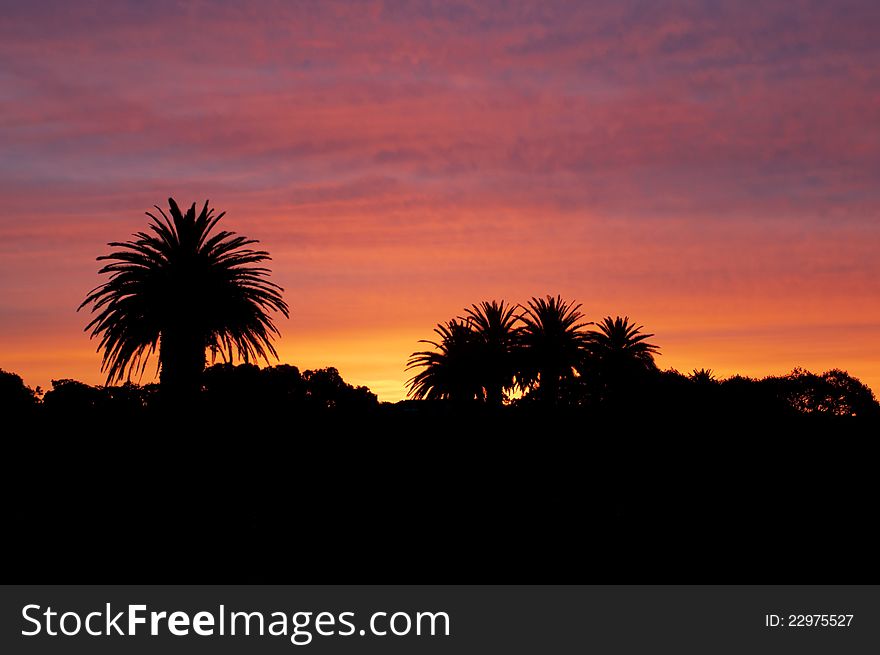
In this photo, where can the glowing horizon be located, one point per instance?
(709, 171)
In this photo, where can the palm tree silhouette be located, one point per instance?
(618, 355)
(448, 372)
(622, 343)
(496, 334)
(552, 340)
(183, 288)
(703, 376)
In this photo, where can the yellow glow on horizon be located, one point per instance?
(377, 359)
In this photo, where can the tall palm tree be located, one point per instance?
(183, 288)
(448, 372)
(496, 333)
(552, 338)
(618, 356)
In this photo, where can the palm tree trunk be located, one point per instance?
(182, 358)
(549, 387)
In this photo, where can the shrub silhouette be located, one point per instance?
(282, 390)
(16, 398)
(833, 393)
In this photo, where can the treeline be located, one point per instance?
(285, 391)
(700, 394)
(226, 388)
(537, 358)
(546, 354)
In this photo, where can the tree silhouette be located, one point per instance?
(15, 396)
(496, 334)
(185, 289)
(620, 344)
(552, 338)
(703, 376)
(833, 393)
(450, 371)
(618, 357)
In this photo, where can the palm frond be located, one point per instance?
(447, 372)
(553, 340)
(621, 339)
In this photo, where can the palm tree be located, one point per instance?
(552, 340)
(448, 372)
(183, 288)
(622, 342)
(618, 354)
(496, 333)
(703, 376)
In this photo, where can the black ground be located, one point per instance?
(442, 497)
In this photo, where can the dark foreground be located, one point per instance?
(441, 497)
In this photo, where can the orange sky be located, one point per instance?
(709, 171)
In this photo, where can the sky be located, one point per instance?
(710, 169)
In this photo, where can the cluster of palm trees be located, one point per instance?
(183, 287)
(541, 349)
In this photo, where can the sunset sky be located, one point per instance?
(708, 168)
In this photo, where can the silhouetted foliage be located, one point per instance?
(450, 372)
(546, 351)
(618, 361)
(325, 389)
(72, 397)
(552, 341)
(276, 394)
(695, 462)
(496, 335)
(833, 393)
(798, 394)
(183, 288)
(282, 390)
(74, 400)
(621, 345)
(476, 358)
(703, 376)
(16, 398)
